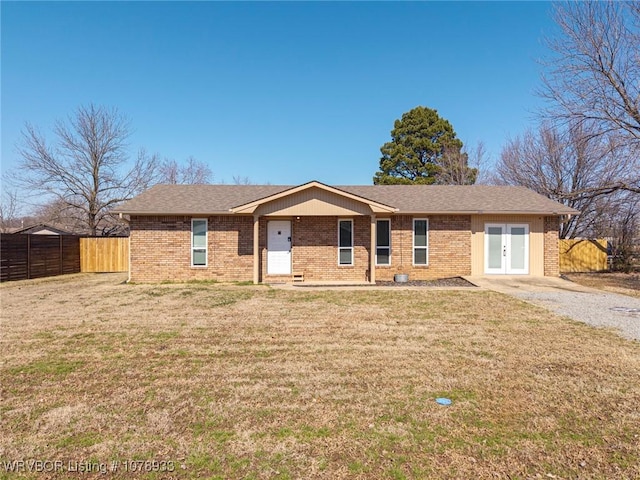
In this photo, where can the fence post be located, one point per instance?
(61, 252)
(28, 257)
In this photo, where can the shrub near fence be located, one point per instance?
(25, 256)
(583, 256)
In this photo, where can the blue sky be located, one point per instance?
(278, 92)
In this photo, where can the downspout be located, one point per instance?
(121, 217)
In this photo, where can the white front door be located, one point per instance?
(279, 247)
(506, 248)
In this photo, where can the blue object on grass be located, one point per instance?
(443, 401)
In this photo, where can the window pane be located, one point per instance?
(517, 248)
(495, 247)
(382, 256)
(382, 233)
(345, 256)
(200, 233)
(420, 237)
(420, 256)
(199, 257)
(345, 233)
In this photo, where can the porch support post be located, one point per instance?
(256, 249)
(372, 252)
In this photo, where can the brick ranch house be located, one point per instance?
(316, 232)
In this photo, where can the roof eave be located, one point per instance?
(487, 212)
(391, 212)
(167, 213)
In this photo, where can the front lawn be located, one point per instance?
(231, 381)
(615, 282)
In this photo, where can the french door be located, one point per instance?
(506, 248)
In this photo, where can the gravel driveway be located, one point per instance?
(569, 299)
(597, 309)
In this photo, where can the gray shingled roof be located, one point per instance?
(424, 199)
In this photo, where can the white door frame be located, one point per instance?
(507, 248)
(279, 247)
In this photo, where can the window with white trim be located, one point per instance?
(345, 242)
(199, 227)
(420, 241)
(383, 242)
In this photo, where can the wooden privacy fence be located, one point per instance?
(583, 255)
(104, 254)
(25, 256)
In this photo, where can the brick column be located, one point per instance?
(372, 253)
(256, 249)
(551, 247)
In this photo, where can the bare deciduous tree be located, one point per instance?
(461, 166)
(573, 167)
(587, 152)
(192, 172)
(595, 73)
(60, 214)
(618, 220)
(88, 169)
(8, 210)
(241, 180)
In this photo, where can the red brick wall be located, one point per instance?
(161, 249)
(449, 248)
(315, 249)
(551, 247)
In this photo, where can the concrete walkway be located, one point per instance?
(588, 305)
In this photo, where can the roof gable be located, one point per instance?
(313, 198)
(42, 229)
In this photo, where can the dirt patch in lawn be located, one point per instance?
(228, 381)
(624, 283)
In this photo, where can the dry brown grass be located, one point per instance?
(624, 283)
(251, 382)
